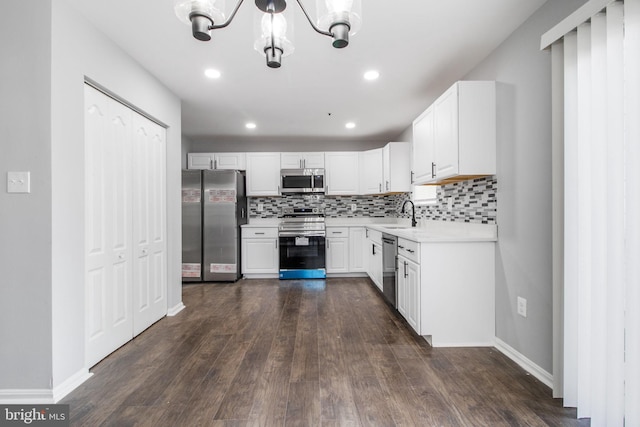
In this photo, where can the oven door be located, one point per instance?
(302, 256)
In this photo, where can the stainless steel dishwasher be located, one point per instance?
(389, 266)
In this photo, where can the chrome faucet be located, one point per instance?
(413, 212)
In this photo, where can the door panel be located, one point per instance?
(149, 183)
(125, 222)
(108, 127)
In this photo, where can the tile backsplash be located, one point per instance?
(471, 201)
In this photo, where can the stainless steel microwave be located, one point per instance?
(295, 181)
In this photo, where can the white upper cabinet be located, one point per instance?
(341, 173)
(455, 139)
(386, 170)
(302, 160)
(235, 161)
(200, 160)
(263, 174)
(396, 167)
(371, 171)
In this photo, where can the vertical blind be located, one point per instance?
(600, 74)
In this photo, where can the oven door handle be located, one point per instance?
(304, 234)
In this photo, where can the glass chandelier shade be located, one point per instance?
(274, 34)
(342, 18)
(200, 14)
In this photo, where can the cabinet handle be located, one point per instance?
(336, 232)
(276, 243)
(380, 187)
(396, 264)
(259, 233)
(328, 243)
(433, 170)
(411, 176)
(400, 247)
(366, 232)
(215, 164)
(405, 269)
(387, 185)
(242, 213)
(373, 249)
(410, 251)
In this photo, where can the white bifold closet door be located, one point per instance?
(125, 224)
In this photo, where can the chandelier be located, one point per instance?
(337, 19)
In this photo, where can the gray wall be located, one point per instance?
(25, 219)
(523, 254)
(41, 250)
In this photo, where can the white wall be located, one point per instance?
(523, 254)
(41, 249)
(93, 56)
(25, 219)
(257, 144)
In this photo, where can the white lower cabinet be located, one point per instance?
(446, 291)
(260, 252)
(408, 284)
(357, 250)
(374, 249)
(337, 250)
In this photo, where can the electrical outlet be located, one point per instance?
(260, 207)
(354, 207)
(522, 307)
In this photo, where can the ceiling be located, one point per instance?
(420, 47)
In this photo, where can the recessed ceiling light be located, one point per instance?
(350, 125)
(371, 75)
(212, 73)
(250, 125)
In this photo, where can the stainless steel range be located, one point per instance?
(301, 236)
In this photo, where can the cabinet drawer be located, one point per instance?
(337, 232)
(409, 250)
(267, 232)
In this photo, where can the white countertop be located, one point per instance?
(426, 232)
(441, 231)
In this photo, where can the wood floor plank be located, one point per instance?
(303, 405)
(308, 353)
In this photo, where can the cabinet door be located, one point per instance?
(375, 264)
(357, 250)
(412, 296)
(232, 161)
(341, 173)
(337, 255)
(401, 286)
(423, 148)
(371, 172)
(259, 256)
(446, 133)
(313, 160)
(396, 165)
(263, 174)
(291, 160)
(200, 160)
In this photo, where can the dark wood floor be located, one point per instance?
(303, 353)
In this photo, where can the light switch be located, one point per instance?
(18, 182)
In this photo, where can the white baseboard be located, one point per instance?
(176, 309)
(43, 396)
(70, 384)
(545, 377)
(26, 396)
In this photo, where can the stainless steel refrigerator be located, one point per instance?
(214, 206)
